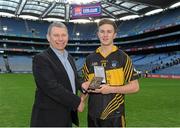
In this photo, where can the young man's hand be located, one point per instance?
(104, 89)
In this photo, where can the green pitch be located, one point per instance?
(156, 105)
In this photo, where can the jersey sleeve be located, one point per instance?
(85, 71)
(129, 70)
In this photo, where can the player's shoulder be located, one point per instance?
(91, 55)
(122, 53)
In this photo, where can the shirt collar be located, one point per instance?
(59, 53)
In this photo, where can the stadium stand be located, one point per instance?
(175, 70)
(24, 28)
(14, 26)
(158, 21)
(151, 41)
(2, 67)
(153, 63)
(20, 63)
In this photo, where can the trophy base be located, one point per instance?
(95, 83)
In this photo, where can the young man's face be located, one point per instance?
(106, 34)
(58, 38)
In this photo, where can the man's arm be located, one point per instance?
(131, 87)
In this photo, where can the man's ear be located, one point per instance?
(48, 38)
(115, 34)
(97, 34)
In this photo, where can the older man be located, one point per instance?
(56, 102)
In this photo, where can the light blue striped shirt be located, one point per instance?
(63, 57)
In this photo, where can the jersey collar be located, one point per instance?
(114, 48)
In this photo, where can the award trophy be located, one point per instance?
(99, 77)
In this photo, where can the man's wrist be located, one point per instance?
(112, 89)
(84, 91)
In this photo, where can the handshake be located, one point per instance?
(95, 86)
(83, 96)
(86, 87)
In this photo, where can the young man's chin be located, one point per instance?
(106, 44)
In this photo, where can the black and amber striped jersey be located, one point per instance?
(119, 71)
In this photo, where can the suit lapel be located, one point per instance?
(59, 65)
(55, 59)
(72, 64)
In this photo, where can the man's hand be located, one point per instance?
(85, 85)
(82, 104)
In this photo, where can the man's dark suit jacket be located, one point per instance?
(55, 104)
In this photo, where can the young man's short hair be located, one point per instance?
(107, 21)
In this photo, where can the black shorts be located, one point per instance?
(110, 122)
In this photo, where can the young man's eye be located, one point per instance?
(109, 31)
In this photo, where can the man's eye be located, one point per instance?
(56, 35)
(63, 35)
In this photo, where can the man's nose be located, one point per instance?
(60, 38)
(105, 34)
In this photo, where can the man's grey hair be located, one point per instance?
(56, 24)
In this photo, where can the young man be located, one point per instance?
(106, 104)
(56, 103)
